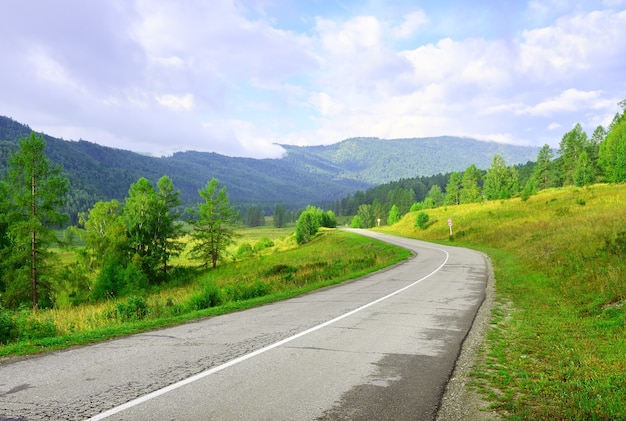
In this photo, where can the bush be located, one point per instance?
(244, 250)
(210, 296)
(135, 308)
(356, 222)
(306, 227)
(8, 328)
(422, 220)
(246, 290)
(31, 328)
(117, 279)
(263, 243)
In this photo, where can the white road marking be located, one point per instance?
(259, 351)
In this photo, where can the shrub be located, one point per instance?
(244, 250)
(263, 243)
(31, 328)
(135, 308)
(422, 220)
(116, 280)
(246, 290)
(8, 328)
(356, 222)
(306, 227)
(210, 296)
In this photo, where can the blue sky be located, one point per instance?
(237, 77)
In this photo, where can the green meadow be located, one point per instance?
(265, 265)
(556, 348)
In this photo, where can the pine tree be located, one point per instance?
(543, 173)
(572, 145)
(37, 191)
(471, 193)
(214, 230)
(453, 189)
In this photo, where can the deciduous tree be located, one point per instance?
(394, 215)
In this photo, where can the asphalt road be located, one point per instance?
(378, 348)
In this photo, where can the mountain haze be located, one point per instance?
(377, 161)
(305, 175)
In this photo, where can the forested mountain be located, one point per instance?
(377, 161)
(306, 175)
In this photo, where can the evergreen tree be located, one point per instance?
(585, 173)
(453, 189)
(572, 145)
(471, 193)
(279, 216)
(543, 173)
(497, 180)
(214, 230)
(37, 190)
(169, 228)
(613, 150)
(366, 216)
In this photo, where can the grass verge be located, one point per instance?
(332, 257)
(557, 346)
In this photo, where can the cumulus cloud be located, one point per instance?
(236, 77)
(411, 23)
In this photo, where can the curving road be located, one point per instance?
(381, 347)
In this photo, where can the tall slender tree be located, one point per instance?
(279, 216)
(453, 189)
(214, 229)
(471, 192)
(543, 173)
(613, 149)
(169, 228)
(37, 191)
(571, 146)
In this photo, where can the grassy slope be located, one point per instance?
(557, 349)
(278, 273)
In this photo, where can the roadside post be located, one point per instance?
(450, 225)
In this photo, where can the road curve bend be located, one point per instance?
(381, 347)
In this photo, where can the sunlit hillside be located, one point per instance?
(557, 349)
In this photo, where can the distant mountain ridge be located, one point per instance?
(377, 161)
(305, 175)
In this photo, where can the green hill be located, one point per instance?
(305, 175)
(378, 161)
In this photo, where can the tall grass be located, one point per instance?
(557, 349)
(272, 274)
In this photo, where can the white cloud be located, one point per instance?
(412, 22)
(554, 126)
(225, 76)
(358, 34)
(568, 100)
(176, 102)
(325, 105)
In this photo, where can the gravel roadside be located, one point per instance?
(459, 402)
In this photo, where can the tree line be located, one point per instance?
(127, 246)
(580, 160)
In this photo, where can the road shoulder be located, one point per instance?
(459, 401)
